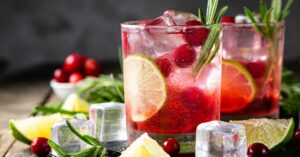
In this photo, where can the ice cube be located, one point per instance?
(62, 135)
(220, 139)
(181, 17)
(109, 120)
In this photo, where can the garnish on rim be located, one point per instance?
(211, 45)
(268, 16)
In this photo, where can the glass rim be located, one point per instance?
(135, 25)
(251, 25)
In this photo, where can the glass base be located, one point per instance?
(228, 117)
(186, 141)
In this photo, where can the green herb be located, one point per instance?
(211, 45)
(96, 149)
(269, 16)
(290, 93)
(106, 88)
(44, 110)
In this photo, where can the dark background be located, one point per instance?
(36, 35)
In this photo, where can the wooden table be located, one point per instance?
(17, 100)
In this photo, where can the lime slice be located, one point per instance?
(75, 103)
(28, 129)
(238, 87)
(144, 146)
(272, 132)
(145, 87)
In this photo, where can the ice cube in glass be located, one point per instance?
(220, 139)
(109, 120)
(62, 135)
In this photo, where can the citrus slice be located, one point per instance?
(271, 132)
(145, 87)
(75, 103)
(144, 146)
(238, 87)
(28, 129)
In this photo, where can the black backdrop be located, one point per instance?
(35, 32)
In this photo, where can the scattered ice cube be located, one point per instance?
(220, 139)
(109, 120)
(62, 135)
(181, 17)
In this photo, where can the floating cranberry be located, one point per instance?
(75, 77)
(40, 147)
(194, 97)
(73, 63)
(60, 75)
(258, 150)
(92, 68)
(195, 36)
(165, 66)
(228, 19)
(184, 56)
(296, 138)
(172, 147)
(257, 69)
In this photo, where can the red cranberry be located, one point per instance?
(296, 138)
(257, 69)
(165, 66)
(40, 147)
(172, 147)
(75, 77)
(258, 150)
(194, 97)
(60, 75)
(92, 68)
(195, 36)
(184, 56)
(73, 63)
(228, 19)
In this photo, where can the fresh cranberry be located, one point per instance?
(195, 36)
(184, 56)
(296, 138)
(73, 63)
(60, 75)
(228, 19)
(195, 97)
(257, 69)
(165, 66)
(172, 147)
(258, 150)
(40, 147)
(75, 77)
(92, 68)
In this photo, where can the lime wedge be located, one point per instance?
(238, 87)
(75, 103)
(28, 129)
(274, 133)
(144, 146)
(145, 87)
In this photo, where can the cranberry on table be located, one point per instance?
(40, 147)
(75, 77)
(60, 75)
(195, 36)
(92, 68)
(73, 62)
(296, 138)
(172, 147)
(165, 66)
(258, 150)
(184, 56)
(228, 19)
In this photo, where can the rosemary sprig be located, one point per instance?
(211, 45)
(96, 149)
(269, 16)
(106, 88)
(51, 110)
